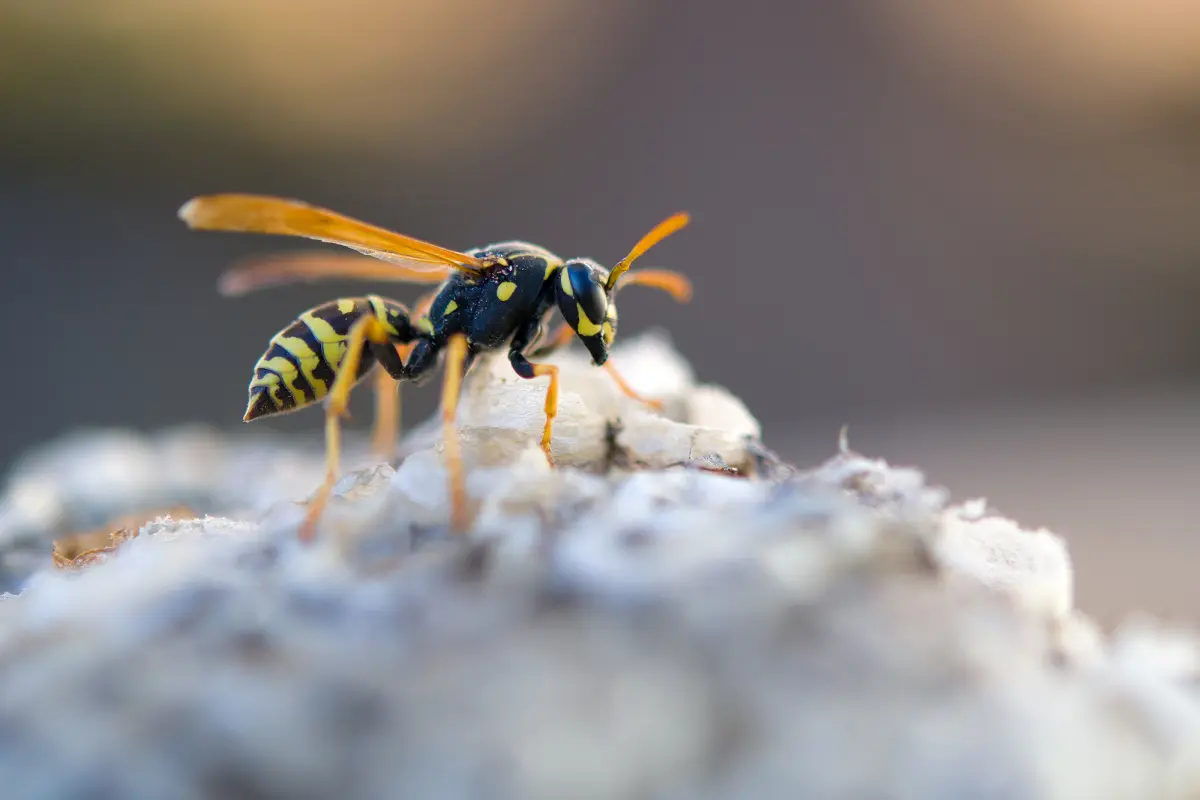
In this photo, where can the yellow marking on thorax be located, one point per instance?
(585, 327)
(565, 280)
(505, 290)
(425, 326)
(451, 307)
(346, 306)
(550, 267)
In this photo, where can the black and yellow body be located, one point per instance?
(304, 359)
(498, 297)
(507, 306)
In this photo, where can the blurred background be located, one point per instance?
(970, 231)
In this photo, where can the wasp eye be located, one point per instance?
(588, 292)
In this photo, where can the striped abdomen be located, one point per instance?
(302, 361)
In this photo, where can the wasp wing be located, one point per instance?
(282, 268)
(249, 213)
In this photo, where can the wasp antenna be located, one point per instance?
(662, 230)
(673, 283)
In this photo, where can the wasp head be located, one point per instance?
(586, 303)
(585, 289)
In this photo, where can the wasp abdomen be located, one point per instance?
(304, 358)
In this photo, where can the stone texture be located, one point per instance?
(671, 614)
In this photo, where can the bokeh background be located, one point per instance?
(970, 231)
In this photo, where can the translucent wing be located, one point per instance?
(283, 268)
(250, 213)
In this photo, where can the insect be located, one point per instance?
(489, 298)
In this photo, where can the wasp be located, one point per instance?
(500, 296)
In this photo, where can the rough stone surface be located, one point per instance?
(666, 615)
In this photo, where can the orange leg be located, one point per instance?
(560, 338)
(456, 355)
(628, 390)
(367, 328)
(675, 284)
(387, 415)
(387, 393)
(555, 341)
(551, 404)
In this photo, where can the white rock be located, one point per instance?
(617, 626)
(1031, 567)
(713, 407)
(499, 412)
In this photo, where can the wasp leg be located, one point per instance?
(422, 360)
(388, 424)
(367, 330)
(556, 341)
(455, 364)
(459, 357)
(628, 390)
(387, 415)
(522, 366)
(562, 337)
